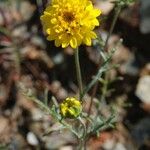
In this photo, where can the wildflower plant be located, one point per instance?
(71, 23)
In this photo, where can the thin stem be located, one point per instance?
(103, 96)
(68, 126)
(118, 9)
(46, 96)
(82, 139)
(78, 73)
(81, 145)
(91, 104)
(107, 123)
(97, 76)
(84, 127)
(17, 60)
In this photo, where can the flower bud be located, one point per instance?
(70, 108)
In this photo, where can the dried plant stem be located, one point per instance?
(78, 72)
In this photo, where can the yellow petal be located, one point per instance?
(57, 43)
(92, 35)
(54, 21)
(87, 41)
(96, 22)
(65, 44)
(73, 43)
(96, 12)
(89, 7)
(51, 37)
(48, 31)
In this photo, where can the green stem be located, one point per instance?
(17, 60)
(81, 144)
(104, 90)
(118, 9)
(84, 127)
(78, 73)
(82, 140)
(94, 81)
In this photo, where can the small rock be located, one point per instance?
(26, 9)
(120, 146)
(62, 93)
(36, 40)
(58, 59)
(56, 140)
(66, 148)
(37, 114)
(143, 89)
(18, 142)
(145, 70)
(109, 144)
(32, 139)
(55, 86)
(20, 32)
(130, 67)
(7, 131)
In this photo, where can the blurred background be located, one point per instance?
(26, 57)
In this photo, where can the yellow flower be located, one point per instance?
(70, 108)
(70, 22)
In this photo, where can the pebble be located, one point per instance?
(32, 139)
(143, 89)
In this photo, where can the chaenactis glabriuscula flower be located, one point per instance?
(70, 108)
(70, 22)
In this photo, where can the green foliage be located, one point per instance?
(3, 147)
(124, 2)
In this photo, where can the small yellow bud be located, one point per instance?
(70, 108)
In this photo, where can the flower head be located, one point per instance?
(70, 108)
(70, 22)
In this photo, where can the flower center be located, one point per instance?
(68, 16)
